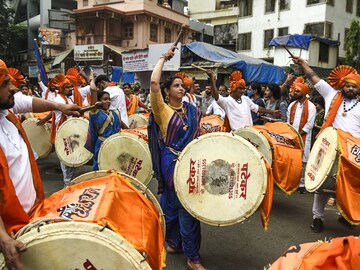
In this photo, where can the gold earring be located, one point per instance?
(167, 99)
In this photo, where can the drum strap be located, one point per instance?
(334, 107)
(304, 116)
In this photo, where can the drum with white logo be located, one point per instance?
(322, 165)
(127, 153)
(220, 179)
(39, 137)
(70, 140)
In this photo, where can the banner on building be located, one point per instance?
(157, 50)
(49, 36)
(89, 52)
(135, 61)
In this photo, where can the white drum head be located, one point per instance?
(257, 139)
(70, 140)
(321, 159)
(78, 245)
(127, 153)
(140, 119)
(39, 137)
(220, 179)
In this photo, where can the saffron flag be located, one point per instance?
(40, 64)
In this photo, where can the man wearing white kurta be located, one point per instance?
(303, 122)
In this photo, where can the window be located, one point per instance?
(346, 33)
(324, 53)
(358, 8)
(245, 8)
(283, 31)
(311, 2)
(322, 29)
(269, 6)
(153, 32)
(167, 38)
(330, 2)
(349, 6)
(85, 3)
(225, 4)
(284, 4)
(244, 42)
(128, 30)
(268, 36)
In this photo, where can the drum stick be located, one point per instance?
(179, 36)
(292, 56)
(203, 69)
(271, 119)
(97, 105)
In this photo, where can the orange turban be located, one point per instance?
(3, 71)
(16, 77)
(236, 81)
(60, 81)
(186, 80)
(74, 77)
(301, 85)
(343, 74)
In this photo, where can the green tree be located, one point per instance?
(12, 36)
(353, 45)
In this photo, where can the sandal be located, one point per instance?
(190, 265)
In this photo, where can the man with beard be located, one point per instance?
(342, 111)
(20, 183)
(301, 115)
(206, 100)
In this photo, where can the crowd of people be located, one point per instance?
(309, 104)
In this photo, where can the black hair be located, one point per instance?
(256, 87)
(167, 84)
(100, 94)
(275, 90)
(128, 84)
(100, 78)
(319, 100)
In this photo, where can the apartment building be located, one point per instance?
(259, 21)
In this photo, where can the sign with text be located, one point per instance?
(49, 36)
(135, 61)
(157, 50)
(89, 52)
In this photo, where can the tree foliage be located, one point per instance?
(353, 45)
(11, 35)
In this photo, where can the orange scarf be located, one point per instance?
(347, 184)
(62, 120)
(334, 107)
(11, 211)
(134, 103)
(304, 117)
(267, 202)
(47, 93)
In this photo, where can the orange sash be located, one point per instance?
(341, 253)
(334, 107)
(347, 185)
(113, 202)
(11, 211)
(47, 93)
(267, 202)
(304, 117)
(287, 155)
(134, 103)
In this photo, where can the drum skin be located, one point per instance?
(220, 179)
(70, 140)
(127, 153)
(256, 138)
(140, 119)
(78, 245)
(322, 165)
(39, 137)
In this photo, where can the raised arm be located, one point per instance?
(307, 70)
(156, 74)
(214, 90)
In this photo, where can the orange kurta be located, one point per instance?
(11, 211)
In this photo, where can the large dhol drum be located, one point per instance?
(127, 153)
(140, 132)
(113, 202)
(220, 179)
(70, 140)
(322, 165)
(211, 123)
(77, 245)
(141, 119)
(257, 139)
(39, 137)
(136, 183)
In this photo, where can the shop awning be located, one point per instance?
(61, 57)
(117, 49)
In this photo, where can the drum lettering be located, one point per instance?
(281, 139)
(245, 175)
(355, 150)
(191, 179)
(325, 141)
(88, 265)
(137, 167)
(311, 176)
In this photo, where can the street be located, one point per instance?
(242, 246)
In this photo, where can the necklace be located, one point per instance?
(348, 110)
(183, 116)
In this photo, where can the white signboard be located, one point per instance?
(135, 61)
(156, 51)
(89, 52)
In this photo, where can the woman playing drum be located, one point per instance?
(172, 125)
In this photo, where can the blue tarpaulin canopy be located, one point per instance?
(253, 69)
(300, 41)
